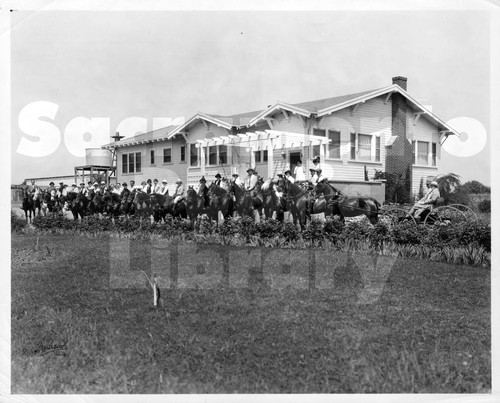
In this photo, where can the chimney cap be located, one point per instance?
(401, 81)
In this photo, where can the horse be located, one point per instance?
(337, 203)
(142, 203)
(127, 206)
(28, 205)
(272, 203)
(164, 204)
(112, 203)
(195, 204)
(298, 200)
(246, 203)
(220, 200)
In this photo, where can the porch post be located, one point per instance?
(252, 156)
(322, 153)
(202, 159)
(270, 158)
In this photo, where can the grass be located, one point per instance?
(428, 333)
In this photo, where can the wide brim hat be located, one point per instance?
(124, 184)
(103, 183)
(319, 170)
(164, 181)
(434, 183)
(288, 172)
(250, 170)
(235, 175)
(95, 183)
(178, 181)
(218, 175)
(203, 179)
(51, 184)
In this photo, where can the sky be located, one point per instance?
(115, 65)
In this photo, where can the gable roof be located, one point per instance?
(317, 108)
(149, 137)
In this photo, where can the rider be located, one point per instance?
(156, 187)
(237, 180)
(103, 187)
(125, 190)
(251, 181)
(289, 177)
(218, 179)
(52, 190)
(83, 190)
(164, 189)
(319, 174)
(427, 201)
(298, 172)
(148, 187)
(206, 200)
(179, 192)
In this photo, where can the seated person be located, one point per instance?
(426, 202)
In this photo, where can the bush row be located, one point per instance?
(475, 233)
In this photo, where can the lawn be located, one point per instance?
(429, 332)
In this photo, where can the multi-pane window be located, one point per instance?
(131, 163)
(264, 156)
(353, 146)
(257, 156)
(223, 155)
(422, 153)
(364, 147)
(152, 156)
(318, 132)
(334, 145)
(183, 153)
(212, 155)
(377, 148)
(167, 155)
(434, 154)
(193, 152)
(260, 156)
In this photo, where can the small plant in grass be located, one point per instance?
(17, 224)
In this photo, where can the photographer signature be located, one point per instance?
(43, 349)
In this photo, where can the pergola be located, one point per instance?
(264, 140)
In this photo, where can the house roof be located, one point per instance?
(319, 108)
(149, 137)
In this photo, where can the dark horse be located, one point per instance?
(298, 200)
(246, 203)
(77, 204)
(220, 200)
(28, 205)
(272, 203)
(195, 204)
(337, 203)
(164, 204)
(112, 203)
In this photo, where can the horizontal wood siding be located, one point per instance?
(374, 118)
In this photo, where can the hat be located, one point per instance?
(250, 170)
(312, 170)
(319, 170)
(203, 179)
(149, 181)
(95, 184)
(61, 183)
(51, 184)
(82, 184)
(155, 180)
(124, 184)
(434, 183)
(103, 183)
(217, 175)
(178, 181)
(164, 181)
(235, 175)
(288, 172)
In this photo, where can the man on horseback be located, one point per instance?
(218, 179)
(163, 189)
(289, 177)
(179, 192)
(203, 188)
(125, 190)
(237, 180)
(156, 187)
(251, 181)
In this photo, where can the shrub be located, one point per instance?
(484, 206)
(17, 224)
(333, 229)
(290, 232)
(314, 232)
(248, 227)
(407, 233)
(269, 228)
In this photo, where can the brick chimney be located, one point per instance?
(399, 155)
(401, 81)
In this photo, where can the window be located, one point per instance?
(212, 155)
(137, 162)
(365, 147)
(422, 153)
(264, 156)
(125, 163)
(131, 163)
(353, 146)
(319, 132)
(167, 155)
(152, 154)
(257, 156)
(413, 152)
(223, 155)
(183, 153)
(434, 154)
(193, 153)
(334, 145)
(377, 149)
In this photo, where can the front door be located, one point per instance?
(294, 157)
